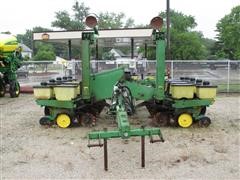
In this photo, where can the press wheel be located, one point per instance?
(204, 121)
(45, 121)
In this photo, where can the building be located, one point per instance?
(26, 51)
(117, 53)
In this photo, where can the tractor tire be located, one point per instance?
(14, 89)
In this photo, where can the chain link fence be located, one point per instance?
(224, 73)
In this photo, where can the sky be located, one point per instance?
(18, 15)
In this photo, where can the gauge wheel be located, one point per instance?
(185, 120)
(14, 89)
(63, 120)
(204, 121)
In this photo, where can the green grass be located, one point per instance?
(232, 88)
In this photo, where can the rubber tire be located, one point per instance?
(44, 121)
(204, 121)
(14, 89)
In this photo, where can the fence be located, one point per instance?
(224, 73)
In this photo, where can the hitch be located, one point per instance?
(120, 101)
(105, 135)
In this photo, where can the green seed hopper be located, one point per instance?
(10, 61)
(169, 102)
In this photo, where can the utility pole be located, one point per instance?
(168, 30)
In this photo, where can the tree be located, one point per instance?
(64, 20)
(106, 20)
(6, 32)
(45, 52)
(180, 21)
(186, 44)
(110, 20)
(228, 29)
(210, 48)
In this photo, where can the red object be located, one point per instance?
(26, 89)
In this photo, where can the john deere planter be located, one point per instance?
(10, 61)
(176, 102)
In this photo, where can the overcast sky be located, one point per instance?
(18, 15)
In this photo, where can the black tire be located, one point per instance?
(2, 90)
(204, 121)
(44, 121)
(14, 89)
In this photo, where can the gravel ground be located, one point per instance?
(29, 151)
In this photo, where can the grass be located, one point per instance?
(232, 88)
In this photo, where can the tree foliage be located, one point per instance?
(180, 21)
(45, 52)
(110, 20)
(107, 20)
(186, 44)
(76, 22)
(228, 29)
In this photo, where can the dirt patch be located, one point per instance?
(34, 152)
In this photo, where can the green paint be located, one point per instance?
(56, 103)
(191, 103)
(86, 69)
(139, 91)
(102, 83)
(160, 71)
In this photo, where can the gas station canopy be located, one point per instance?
(109, 33)
(106, 38)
